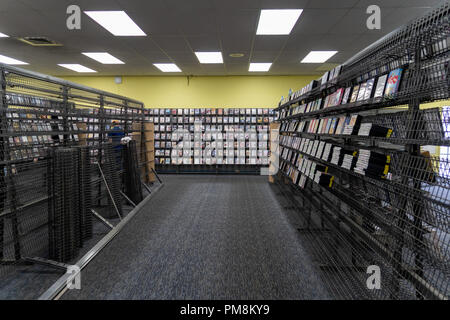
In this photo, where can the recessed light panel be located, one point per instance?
(277, 22)
(209, 57)
(2, 35)
(76, 67)
(259, 67)
(116, 22)
(167, 67)
(103, 57)
(318, 56)
(8, 60)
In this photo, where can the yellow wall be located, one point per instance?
(232, 91)
(175, 92)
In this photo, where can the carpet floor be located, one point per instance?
(205, 237)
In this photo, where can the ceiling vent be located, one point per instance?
(40, 42)
(236, 55)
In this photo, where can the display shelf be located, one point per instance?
(422, 60)
(426, 127)
(199, 125)
(52, 135)
(398, 219)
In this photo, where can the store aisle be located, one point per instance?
(205, 237)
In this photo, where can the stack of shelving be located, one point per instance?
(39, 112)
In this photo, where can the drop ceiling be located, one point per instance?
(177, 28)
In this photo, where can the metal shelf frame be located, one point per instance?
(401, 223)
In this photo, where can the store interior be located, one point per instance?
(225, 150)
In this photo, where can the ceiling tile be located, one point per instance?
(318, 21)
(192, 21)
(399, 17)
(204, 43)
(143, 6)
(335, 42)
(154, 23)
(238, 20)
(142, 44)
(189, 5)
(242, 4)
(236, 42)
(176, 27)
(237, 67)
(216, 68)
(284, 4)
(269, 43)
(400, 3)
(183, 56)
(328, 4)
(289, 57)
(303, 42)
(12, 6)
(263, 56)
(173, 43)
(353, 22)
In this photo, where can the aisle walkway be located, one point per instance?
(205, 237)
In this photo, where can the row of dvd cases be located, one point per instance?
(371, 180)
(211, 136)
(34, 123)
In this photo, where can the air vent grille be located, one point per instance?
(40, 42)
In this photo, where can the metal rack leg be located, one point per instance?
(109, 191)
(101, 219)
(156, 175)
(2, 226)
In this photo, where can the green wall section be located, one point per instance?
(200, 92)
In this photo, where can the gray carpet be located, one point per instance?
(205, 237)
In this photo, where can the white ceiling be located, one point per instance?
(177, 28)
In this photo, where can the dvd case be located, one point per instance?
(393, 82)
(381, 83)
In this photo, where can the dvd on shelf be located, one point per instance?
(209, 127)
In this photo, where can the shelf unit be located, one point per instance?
(370, 194)
(44, 119)
(210, 124)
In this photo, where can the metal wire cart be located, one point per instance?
(66, 179)
(360, 173)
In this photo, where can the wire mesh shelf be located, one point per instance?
(53, 136)
(388, 205)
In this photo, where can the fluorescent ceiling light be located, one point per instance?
(103, 57)
(259, 67)
(277, 22)
(8, 60)
(209, 57)
(76, 67)
(167, 67)
(318, 56)
(116, 22)
(2, 35)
